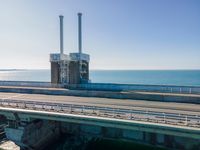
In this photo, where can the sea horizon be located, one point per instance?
(179, 77)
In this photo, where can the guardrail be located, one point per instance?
(137, 87)
(109, 87)
(108, 112)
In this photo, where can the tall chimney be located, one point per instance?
(61, 34)
(79, 33)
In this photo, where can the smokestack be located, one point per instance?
(61, 34)
(79, 33)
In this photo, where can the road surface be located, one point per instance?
(151, 111)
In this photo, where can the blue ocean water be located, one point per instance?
(158, 77)
(155, 77)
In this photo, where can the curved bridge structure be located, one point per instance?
(37, 119)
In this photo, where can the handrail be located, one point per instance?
(137, 87)
(108, 112)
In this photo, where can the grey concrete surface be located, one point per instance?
(106, 102)
(134, 95)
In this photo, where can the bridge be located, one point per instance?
(36, 119)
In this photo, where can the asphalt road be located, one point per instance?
(170, 107)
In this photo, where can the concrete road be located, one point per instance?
(128, 92)
(170, 107)
(153, 96)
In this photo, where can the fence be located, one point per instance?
(108, 112)
(137, 87)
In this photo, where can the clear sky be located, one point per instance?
(118, 34)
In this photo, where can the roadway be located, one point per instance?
(127, 92)
(106, 102)
(174, 113)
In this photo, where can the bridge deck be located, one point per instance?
(106, 102)
(148, 111)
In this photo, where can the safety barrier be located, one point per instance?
(108, 112)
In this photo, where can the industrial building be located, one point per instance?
(72, 68)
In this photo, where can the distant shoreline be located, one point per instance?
(13, 69)
(111, 69)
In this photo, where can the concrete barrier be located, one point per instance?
(29, 84)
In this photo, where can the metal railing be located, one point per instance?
(108, 112)
(138, 87)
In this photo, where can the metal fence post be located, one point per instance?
(190, 90)
(114, 112)
(82, 109)
(164, 117)
(147, 113)
(186, 120)
(70, 108)
(131, 114)
(93, 110)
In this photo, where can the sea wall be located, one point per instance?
(29, 84)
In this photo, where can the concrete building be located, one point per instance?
(78, 68)
(59, 68)
(79, 64)
(60, 62)
(72, 68)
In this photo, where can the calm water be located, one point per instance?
(98, 144)
(168, 77)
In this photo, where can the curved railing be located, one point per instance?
(159, 117)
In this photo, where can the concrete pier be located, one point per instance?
(32, 135)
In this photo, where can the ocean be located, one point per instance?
(152, 77)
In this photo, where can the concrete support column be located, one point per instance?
(33, 135)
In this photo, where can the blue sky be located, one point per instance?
(118, 34)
